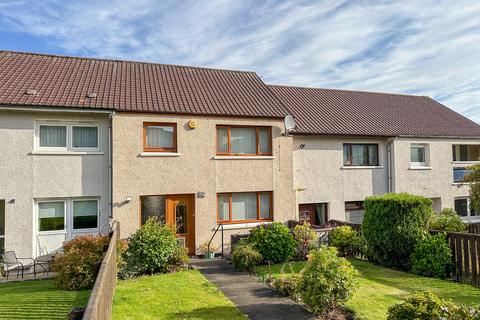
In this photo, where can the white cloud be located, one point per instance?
(423, 47)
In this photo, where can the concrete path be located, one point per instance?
(255, 299)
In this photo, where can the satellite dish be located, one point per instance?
(289, 123)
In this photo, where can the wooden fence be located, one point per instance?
(99, 305)
(474, 228)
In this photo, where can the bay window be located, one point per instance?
(159, 137)
(244, 141)
(244, 206)
(355, 154)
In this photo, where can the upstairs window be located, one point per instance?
(418, 155)
(360, 154)
(244, 141)
(66, 136)
(159, 137)
(466, 152)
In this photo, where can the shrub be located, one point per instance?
(345, 239)
(274, 241)
(287, 285)
(151, 249)
(307, 239)
(78, 265)
(432, 256)
(393, 224)
(179, 259)
(449, 221)
(245, 257)
(423, 305)
(327, 280)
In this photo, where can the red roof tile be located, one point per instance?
(132, 86)
(343, 112)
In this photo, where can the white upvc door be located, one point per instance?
(59, 220)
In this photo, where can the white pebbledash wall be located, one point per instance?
(27, 177)
(320, 177)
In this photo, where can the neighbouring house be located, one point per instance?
(350, 144)
(86, 141)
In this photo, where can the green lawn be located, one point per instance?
(38, 299)
(381, 287)
(181, 295)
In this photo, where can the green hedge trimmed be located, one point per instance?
(393, 224)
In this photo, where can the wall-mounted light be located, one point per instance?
(128, 199)
(302, 146)
(11, 201)
(192, 124)
(200, 194)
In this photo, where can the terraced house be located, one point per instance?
(86, 141)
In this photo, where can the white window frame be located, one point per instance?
(68, 217)
(426, 155)
(97, 228)
(469, 212)
(65, 222)
(2, 236)
(69, 146)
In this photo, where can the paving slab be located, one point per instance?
(257, 300)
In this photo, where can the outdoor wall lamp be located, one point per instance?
(128, 199)
(12, 201)
(302, 146)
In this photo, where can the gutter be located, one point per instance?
(59, 109)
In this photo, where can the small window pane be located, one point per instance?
(264, 138)
(85, 137)
(161, 137)
(373, 155)
(359, 155)
(346, 154)
(417, 154)
(243, 140)
(223, 205)
(85, 214)
(265, 206)
(51, 216)
(53, 136)
(461, 207)
(222, 140)
(181, 218)
(244, 206)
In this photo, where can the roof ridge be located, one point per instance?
(350, 90)
(120, 60)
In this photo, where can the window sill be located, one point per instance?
(420, 168)
(465, 162)
(361, 167)
(248, 225)
(461, 183)
(68, 153)
(160, 154)
(243, 157)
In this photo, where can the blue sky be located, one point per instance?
(420, 47)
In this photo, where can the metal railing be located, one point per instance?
(213, 236)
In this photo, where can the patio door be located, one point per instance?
(180, 215)
(2, 226)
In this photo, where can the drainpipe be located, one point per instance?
(389, 165)
(110, 165)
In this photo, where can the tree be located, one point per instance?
(474, 178)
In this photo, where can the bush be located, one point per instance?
(423, 305)
(245, 257)
(448, 220)
(307, 239)
(393, 224)
(345, 239)
(287, 285)
(179, 259)
(327, 281)
(274, 241)
(78, 265)
(151, 249)
(432, 256)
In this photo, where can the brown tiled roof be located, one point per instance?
(343, 112)
(61, 81)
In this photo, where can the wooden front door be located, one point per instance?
(180, 214)
(307, 213)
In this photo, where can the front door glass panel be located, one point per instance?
(181, 218)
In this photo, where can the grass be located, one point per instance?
(382, 287)
(181, 295)
(38, 299)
